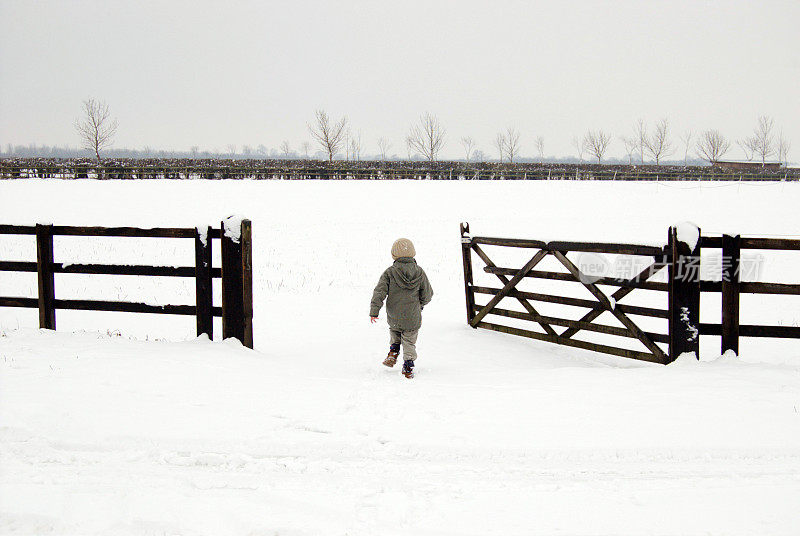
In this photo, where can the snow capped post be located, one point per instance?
(44, 267)
(237, 280)
(203, 278)
(684, 290)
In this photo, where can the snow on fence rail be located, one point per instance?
(235, 273)
(684, 287)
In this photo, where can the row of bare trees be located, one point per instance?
(96, 129)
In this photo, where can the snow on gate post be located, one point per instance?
(237, 280)
(466, 253)
(203, 281)
(684, 290)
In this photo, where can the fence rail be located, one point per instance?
(683, 293)
(235, 273)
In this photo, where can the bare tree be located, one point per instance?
(262, 150)
(580, 148)
(479, 156)
(762, 142)
(686, 139)
(330, 136)
(232, 149)
(748, 147)
(194, 149)
(640, 135)
(596, 143)
(659, 145)
(305, 146)
(285, 148)
(426, 137)
(355, 146)
(247, 151)
(540, 148)
(383, 146)
(712, 146)
(469, 146)
(95, 127)
(512, 143)
(631, 144)
(782, 149)
(500, 143)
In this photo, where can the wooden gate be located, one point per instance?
(682, 313)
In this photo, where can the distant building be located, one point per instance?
(746, 166)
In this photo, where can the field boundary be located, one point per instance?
(235, 237)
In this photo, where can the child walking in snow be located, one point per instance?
(406, 289)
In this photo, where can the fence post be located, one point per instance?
(237, 280)
(44, 267)
(684, 291)
(466, 254)
(203, 282)
(731, 253)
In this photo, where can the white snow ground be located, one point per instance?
(105, 432)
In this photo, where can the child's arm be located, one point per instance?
(378, 295)
(425, 291)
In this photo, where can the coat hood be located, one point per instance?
(405, 273)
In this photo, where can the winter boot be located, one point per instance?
(408, 369)
(391, 359)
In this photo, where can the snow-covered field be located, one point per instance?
(127, 424)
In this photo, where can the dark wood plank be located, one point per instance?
(232, 298)
(124, 307)
(560, 276)
(588, 326)
(31, 303)
(466, 259)
(17, 266)
(525, 303)
(247, 282)
(771, 243)
(576, 302)
(777, 332)
(684, 297)
(603, 299)
(510, 285)
(621, 352)
(203, 284)
(731, 252)
(156, 232)
(711, 242)
(509, 242)
(647, 273)
(17, 229)
(44, 267)
(600, 247)
(770, 288)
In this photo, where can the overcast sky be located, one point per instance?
(178, 74)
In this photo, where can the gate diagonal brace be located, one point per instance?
(620, 293)
(604, 301)
(525, 303)
(509, 286)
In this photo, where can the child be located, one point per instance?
(406, 289)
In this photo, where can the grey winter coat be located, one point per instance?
(407, 290)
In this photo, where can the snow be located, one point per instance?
(688, 233)
(127, 424)
(233, 227)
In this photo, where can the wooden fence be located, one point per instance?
(680, 257)
(235, 273)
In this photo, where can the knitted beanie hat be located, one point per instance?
(403, 247)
